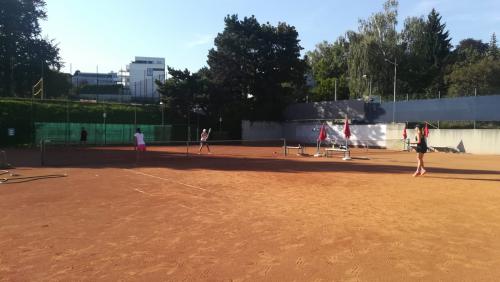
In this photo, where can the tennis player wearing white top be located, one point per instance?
(139, 143)
(203, 141)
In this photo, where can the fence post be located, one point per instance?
(67, 121)
(284, 147)
(42, 152)
(32, 125)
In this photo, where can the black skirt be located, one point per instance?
(421, 149)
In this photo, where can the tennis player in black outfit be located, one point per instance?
(421, 150)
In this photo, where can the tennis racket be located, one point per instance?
(209, 130)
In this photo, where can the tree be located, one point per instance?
(58, 84)
(375, 43)
(328, 63)
(413, 74)
(475, 68)
(426, 55)
(438, 50)
(183, 92)
(482, 76)
(469, 51)
(257, 66)
(23, 53)
(492, 47)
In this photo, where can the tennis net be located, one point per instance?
(60, 153)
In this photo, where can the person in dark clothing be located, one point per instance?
(421, 149)
(83, 136)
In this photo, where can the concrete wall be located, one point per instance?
(261, 130)
(390, 136)
(395, 136)
(474, 141)
(307, 133)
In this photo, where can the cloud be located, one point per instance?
(200, 40)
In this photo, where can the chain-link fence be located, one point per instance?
(25, 121)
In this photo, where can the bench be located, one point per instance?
(299, 148)
(334, 149)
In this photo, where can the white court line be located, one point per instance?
(140, 191)
(167, 179)
(185, 206)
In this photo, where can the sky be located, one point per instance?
(110, 33)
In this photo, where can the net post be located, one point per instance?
(284, 147)
(187, 149)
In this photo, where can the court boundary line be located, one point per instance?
(145, 193)
(168, 179)
(160, 197)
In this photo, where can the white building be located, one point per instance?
(92, 78)
(143, 72)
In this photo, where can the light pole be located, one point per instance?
(197, 110)
(135, 115)
(197, 124)
(394, 101)
(370, 86)
(104, 117)
(67, 121)
(162, 114)
(97, 83)
(335, 89)
(189, 123)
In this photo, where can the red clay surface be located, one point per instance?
(246, 214)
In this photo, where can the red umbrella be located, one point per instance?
(404, 133)
(347, 131)
(322, 133)
(426, 130)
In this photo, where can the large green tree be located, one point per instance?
(426, 50)
(328, 65)
(438, 51)
(373, 50)
(481, 78)
(258, 66)
(183, 92)
(413, 74)
(469, 51)
(475, 69)
(24, 54)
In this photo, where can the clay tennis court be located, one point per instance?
(251, 217)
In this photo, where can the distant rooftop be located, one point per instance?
(149, 60)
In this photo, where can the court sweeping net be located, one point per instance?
(59, 153)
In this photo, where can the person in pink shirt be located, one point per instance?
(139, 144)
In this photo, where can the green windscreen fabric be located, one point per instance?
(100, 134)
